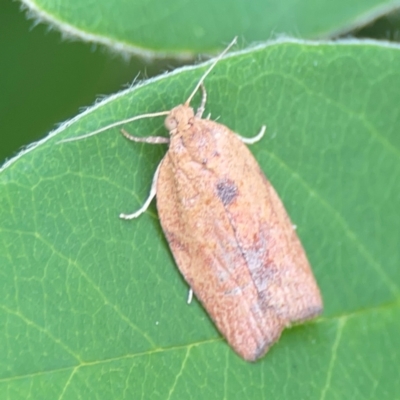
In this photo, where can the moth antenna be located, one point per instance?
(210, 68)
(113, 125)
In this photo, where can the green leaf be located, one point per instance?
(93, 306)
(182, 28)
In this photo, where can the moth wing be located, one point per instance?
(233, 240)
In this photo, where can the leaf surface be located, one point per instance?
(181, 28)
(93, 307)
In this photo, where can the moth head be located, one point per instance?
(179, 118)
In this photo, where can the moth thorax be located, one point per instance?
(180, 118)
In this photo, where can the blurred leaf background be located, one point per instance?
(46, 80)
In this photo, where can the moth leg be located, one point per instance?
(202, 107)
(146, 204)
(253, 139)
(190, 296)
(148, 139)
(208, 116)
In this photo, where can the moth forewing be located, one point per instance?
(232, 239)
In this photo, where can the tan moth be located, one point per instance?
(228, 230)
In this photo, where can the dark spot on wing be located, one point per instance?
(227, 191)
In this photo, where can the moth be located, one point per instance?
(228, 230)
